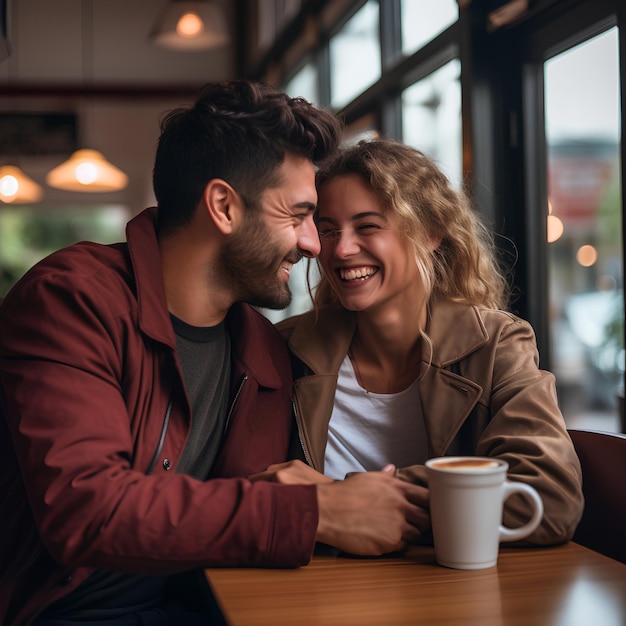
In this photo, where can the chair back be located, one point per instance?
(603, 459)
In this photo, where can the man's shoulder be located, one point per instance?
(82, 259)
(85, 269)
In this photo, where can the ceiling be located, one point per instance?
(106, 72)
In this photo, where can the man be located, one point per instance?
(138, 391)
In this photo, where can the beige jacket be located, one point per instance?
(483, 394)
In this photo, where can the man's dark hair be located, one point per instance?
(239, 131)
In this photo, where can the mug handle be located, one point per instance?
(514, 534)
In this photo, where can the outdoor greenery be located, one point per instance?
(27, 234)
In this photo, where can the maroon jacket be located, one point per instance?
(89, 382)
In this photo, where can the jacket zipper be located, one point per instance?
(166, 421)
(159, 448)
(307, 457)
(232, 406)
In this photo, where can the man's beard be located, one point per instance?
(250, 264)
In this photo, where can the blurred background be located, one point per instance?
(519, 101)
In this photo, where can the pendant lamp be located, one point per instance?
(17, 188)
(191, 25)
(87, 169)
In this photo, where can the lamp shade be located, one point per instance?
(17, 188)
(191, 25)
(87, 170)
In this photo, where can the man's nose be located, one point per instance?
(309, 240)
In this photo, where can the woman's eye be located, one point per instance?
(364, 228)
(326, 233)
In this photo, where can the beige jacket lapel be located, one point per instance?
(447, 398)
(321, 344)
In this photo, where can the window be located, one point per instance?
(584, 230)
(355, 55)
(423, 20)
(271, 17)
(431, 118)
(304, 83)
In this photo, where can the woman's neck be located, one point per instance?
(386, 350)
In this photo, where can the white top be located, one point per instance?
(368, 430)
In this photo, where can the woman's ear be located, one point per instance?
(223, 205)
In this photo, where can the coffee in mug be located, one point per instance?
(466, 463)
(467, 495)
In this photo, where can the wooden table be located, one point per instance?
(560, 586)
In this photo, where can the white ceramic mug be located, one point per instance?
(467, 495)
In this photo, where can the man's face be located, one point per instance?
(258, 257)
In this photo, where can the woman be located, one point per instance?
(408, 353)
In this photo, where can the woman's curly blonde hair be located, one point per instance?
(409, 185)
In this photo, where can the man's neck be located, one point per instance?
(193, 294)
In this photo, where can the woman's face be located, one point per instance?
(369, 263)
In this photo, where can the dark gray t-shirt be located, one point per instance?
(204, 355)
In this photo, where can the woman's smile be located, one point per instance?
(356, 274)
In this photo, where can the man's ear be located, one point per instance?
(223, 205)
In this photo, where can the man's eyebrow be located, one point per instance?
(309, 206)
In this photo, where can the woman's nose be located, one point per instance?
(345, 244)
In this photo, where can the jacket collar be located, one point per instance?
(469, 331)
(333, 328)
(143, 246)
(247, 336)
(447, 398)
(250, 334)
(321, 339)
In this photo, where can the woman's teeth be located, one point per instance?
(361, 273)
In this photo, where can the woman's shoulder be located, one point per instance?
(498, 321)
(314, 321)
(499, 316)
(286, 327)
(458, 329)
(326, 329)
(487, 316)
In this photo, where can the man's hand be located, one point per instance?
(371, 513)
(292, 473)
